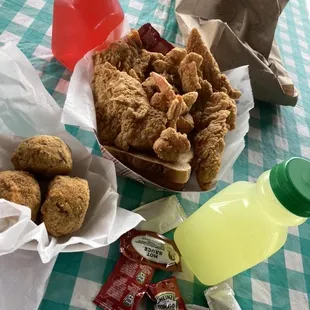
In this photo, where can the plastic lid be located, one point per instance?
(290, 182)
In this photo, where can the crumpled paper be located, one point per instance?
(242, 33)
(79, 110)
(23, 280)
(27, 109)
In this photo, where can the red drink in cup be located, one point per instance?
(80, 25)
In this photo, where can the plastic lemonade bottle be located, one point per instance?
(81, 25)
(245, 223)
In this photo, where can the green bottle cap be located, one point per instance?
(290, 182)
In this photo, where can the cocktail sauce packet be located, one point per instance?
(166, 294)
(152, 41)
(125, 286)
(150, 248)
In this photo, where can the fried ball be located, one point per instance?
(65, 206)
(22, 188)
(43, 155)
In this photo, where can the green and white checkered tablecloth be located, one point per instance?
(276, 133)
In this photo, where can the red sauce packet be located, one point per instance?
(152, 41)
(166, 294)
(152, 249)
(125, 286)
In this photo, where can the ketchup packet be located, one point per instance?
(125, 286)
(152, 249)
(166, 294)
(152, 41)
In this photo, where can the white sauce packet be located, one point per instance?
(161, 215)
(221, 297)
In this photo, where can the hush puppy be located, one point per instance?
(65, 206)
(22, 188)
(43, 155)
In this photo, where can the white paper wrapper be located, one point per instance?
(23, 280)
(79, 110)
(27, 109)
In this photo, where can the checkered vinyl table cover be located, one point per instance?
(276, 133)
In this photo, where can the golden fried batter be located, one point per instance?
(150, 87)
(211, 71)
(218, 102)
(124, 115)
(171, 144)
(112, 87)
(65, 206)
(43, 155)
(161, 100)
(170, 62)
(114, 93)
(168, 66)
(167, 101)
(22, 188)
(175, 56)
(141, 133)
(188, 71)
(155, 56)
(190, 98)
(206, 90)
(185, 124)
(208, 149)
(177, 108)
(160, 66)
(126, 55)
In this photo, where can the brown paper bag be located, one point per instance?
(241, 32)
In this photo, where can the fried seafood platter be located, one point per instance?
(163, 114)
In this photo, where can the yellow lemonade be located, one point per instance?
(245, 223)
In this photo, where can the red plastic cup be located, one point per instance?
(80, 25)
